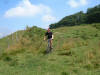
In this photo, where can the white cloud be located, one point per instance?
(77, 3)
(1, 35)
(26, 8)
(83, 2)
(73, 3)
(48, 18)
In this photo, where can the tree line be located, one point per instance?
(91, 16)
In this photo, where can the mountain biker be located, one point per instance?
(49, 37)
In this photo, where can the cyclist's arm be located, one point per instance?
(52, 36)
(44, 37)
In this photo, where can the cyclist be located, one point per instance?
(49, 36)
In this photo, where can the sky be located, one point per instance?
(17, 14)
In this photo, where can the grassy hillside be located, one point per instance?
(76, 52)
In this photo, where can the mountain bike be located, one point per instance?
(49, 49)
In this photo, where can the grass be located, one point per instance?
(76, 52)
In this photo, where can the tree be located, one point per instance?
(93, 15)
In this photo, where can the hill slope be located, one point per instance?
(76, 52)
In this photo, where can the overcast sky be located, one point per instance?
(16, 14)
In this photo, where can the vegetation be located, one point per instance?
(92, 16)
(76, 52)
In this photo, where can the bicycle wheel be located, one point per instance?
(48, 50)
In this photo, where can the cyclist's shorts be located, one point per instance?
(49, 39)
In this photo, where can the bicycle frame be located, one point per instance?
(48, 47)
